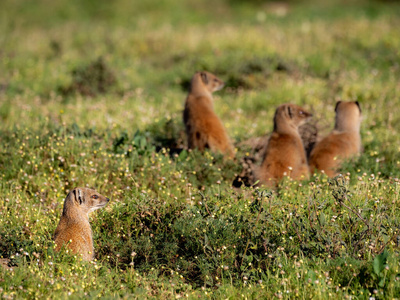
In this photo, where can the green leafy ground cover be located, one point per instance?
(91, 94)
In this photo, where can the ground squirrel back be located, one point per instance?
(285, 154)
(342, 143)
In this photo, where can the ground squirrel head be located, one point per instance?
(205, 82)
(348, 116)
(87, 200)
(290, 116)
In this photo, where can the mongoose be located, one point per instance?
(74, 228)
(285, 154)
(342, 143)
(308, 133)
(203, 127)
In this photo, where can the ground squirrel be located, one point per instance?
(203, 127)
(74, 228)
(285, 154)
(342, 143)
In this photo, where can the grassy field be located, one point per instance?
(91, 94)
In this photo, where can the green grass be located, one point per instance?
(92, 92)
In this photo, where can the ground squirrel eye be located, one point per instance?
(95, 197)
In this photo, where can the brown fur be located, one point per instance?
(203, 127)
(342, 143)
(285, 154)
(74, 228)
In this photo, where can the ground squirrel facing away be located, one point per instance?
(342, 143)
(285, 154)
(74, 229)
(203, 127)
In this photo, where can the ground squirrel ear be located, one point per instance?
(204, 77)
(337, 104)
(289, 110)
(358, 104)
(79, 196)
